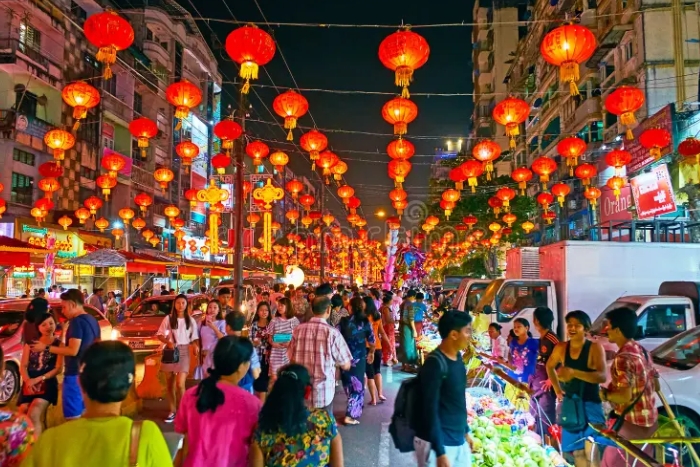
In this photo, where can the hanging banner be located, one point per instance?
(653, 193)
(640, 155)
(612, 209)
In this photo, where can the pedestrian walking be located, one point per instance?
(218, 417)
(442, 434)
(291, 434)
(358, 334)
(321, 349)
(103, 437)
(82, 332)
(373, 370)
(212, 328)
(338, 310)
(634, 381)
(408, 335)
(260, 337)
(389, 325)
(235, 322)
(280, 331)
(178, 331)
(39, 371)
(95, 300)
(576, 369)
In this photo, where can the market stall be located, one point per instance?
(22, 265)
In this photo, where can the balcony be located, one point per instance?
(609, 37)
(590, 109)
(485, 78)
(155, 51)
(115, 107)
(17, 58)
(144, 179)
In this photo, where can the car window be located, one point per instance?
(600, 325)
(515, 297)
(94, 313)
(661, 321)
(474, 295)
(10, 322)
(153, 308)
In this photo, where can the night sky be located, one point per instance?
(346, 59)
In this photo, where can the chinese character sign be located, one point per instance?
(653, 193)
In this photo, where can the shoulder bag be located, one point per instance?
(170, 355)
(134, 443)
(572, 414)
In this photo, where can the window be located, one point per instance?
(515, 297)
(84, 193)
(29, 38)
(88, 173)
(149, 34)
(78, 11)
(628, 51)
(110, 85)
(10, 322)
(108, 143)
(23, 156)
(661, 321)
(138, 103)
(473, 296)
(91, 60)
(26, 103)
(22, 189)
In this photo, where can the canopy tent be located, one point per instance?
(15, 252)
(133, 262)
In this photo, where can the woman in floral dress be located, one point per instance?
(280, 335)
(359, 335)
(260, 337)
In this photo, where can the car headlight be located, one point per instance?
(115, 335)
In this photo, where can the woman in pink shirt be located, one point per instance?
(218, 409)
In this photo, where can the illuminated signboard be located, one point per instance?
(23, 272)
(63, 276)
(653, 193)
(117, 271)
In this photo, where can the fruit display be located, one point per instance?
(501, 435)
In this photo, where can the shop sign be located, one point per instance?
(653, 193)
(63, 276)
(612, 209)
(188, 277)
(66, 244)
(86, 270)
(640, 155)
(23, 272)
(117, 271)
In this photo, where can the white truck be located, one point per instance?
(597, 276)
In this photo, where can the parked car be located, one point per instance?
(677, 363)
(11, 324)
(139, 328)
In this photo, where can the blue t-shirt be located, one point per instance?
(419, 309)
(524, 358)
(85, 328)
(247, 381)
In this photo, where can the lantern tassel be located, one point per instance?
(569, 73)
(178, 127)
(144, 154)
(290, 135)
(76, 125)
(512, 143)
(459, 186)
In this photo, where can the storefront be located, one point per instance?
(17, 260)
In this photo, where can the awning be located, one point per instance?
(190, 270)
(218, 272)
(15, 252)
(134, 262)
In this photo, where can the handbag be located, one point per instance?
(572, 414)
(619, 419)
(170, 355)
(36, 390)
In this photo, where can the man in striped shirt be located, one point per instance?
(320, 348)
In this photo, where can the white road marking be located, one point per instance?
(384, 446)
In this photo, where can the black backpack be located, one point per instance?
(406, 408)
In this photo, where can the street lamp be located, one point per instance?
(380, 213)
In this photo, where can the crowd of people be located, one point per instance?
(268, 381)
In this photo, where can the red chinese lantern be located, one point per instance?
(171, 212)
(113, 163)
(191, 196)
(339, 169)
(257, 150)
(126, 215)
(655, 139)
(81, 96)
(495, 204)
(403, 52)
(592, 194)
(100, 223)
(106, 183)
(689, 149)
(548, 216)
(566, 47)
(400, 149)
(585, 172)
(399, 194)
(110, 33)
(509, 218)
(187, 151)
(505, 194)
(294, 187)
(345, 192)
(544, 199)
(44, 205)
(292, 215)
(487, 151)
(307, 201)
(544, 167)
(253, 218)
(163, 176)
(291, 106)
(353, 204)
(251, 48)
(470, 220)
(3, 207)
(457, 176)
(49, 186)
(143, 129)
(450, 195)
(399, 205)
(447, 207)
(83, 215)
(227, 131)
(571, 148)
(138, 223)
(527, 226)
(142, 200)
(247, 189)
(400, 112)
(511, 113)
(616, 183)
(184, 96)
(220, 162)
(522, 175)
(399, 170)
(326, 160)
(313, 142)
(472, 169)
(279, 159)
(624, 102)
(561, 190)
(65, 222)
(618, 159)
(50, 170)
(93, 203)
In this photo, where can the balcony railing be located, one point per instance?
(117, 107)
(12, 49)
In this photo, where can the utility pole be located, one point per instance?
(238, 213)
